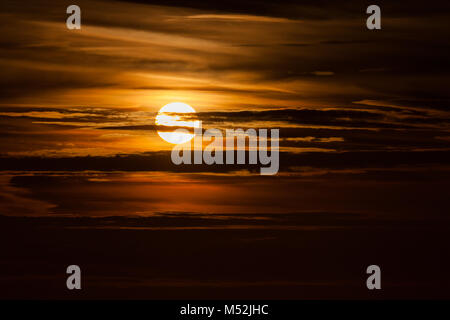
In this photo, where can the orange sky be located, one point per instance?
(347, 101)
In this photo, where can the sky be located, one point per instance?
(363, 117)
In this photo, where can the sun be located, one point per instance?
(171, 116)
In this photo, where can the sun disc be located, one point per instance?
(171, 115)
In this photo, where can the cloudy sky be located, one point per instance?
(363, 115)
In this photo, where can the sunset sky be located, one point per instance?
(363, 115)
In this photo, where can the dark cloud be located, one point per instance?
(160, 161)
(305, 9)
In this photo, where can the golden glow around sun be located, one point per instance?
(170, 116)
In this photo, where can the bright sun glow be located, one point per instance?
(169, 116)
